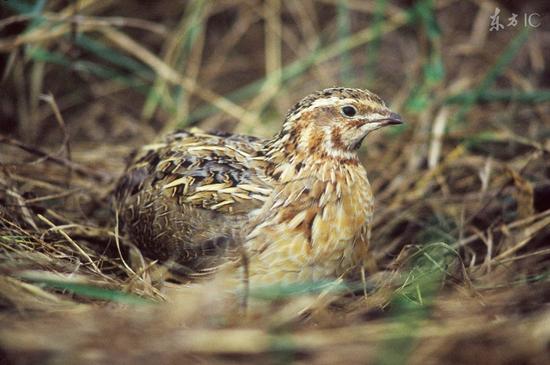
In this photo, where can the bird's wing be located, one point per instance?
(215, 171)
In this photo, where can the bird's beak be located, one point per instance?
(392, 119)
(370, 125)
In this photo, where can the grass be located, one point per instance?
(461, 223)
(490, 77)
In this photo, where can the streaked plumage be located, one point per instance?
(298, 205)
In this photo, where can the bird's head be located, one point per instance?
(333, 123)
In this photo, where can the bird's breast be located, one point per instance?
(343, 219)
(313, 234)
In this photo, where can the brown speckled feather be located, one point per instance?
(185, 197)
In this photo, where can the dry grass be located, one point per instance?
(462, 224)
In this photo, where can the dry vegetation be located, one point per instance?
(463, 190)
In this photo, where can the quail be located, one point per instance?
(299, 205)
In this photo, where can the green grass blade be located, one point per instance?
(433, 70)
(21, 7)
(180, 46)
(412, 302)
(111, 55)
(344, 29)
(373, 47)
(496, 70)
(91, 291)
(512, 95)
(92, 68)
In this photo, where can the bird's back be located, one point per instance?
(188, 197)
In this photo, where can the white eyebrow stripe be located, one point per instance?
(330, 101)
(324, 102)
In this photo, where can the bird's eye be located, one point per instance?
(349, 111)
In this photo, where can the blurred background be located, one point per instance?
(464, 184)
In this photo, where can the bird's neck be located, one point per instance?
(307, 154)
